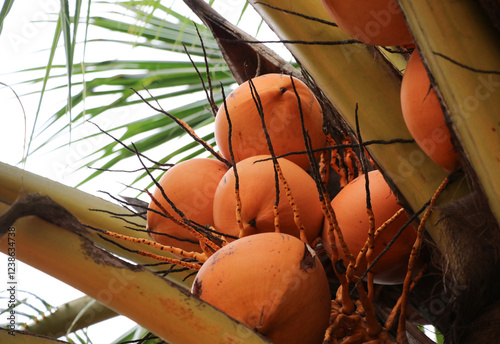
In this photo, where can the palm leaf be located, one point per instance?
(145, 26)
(7, 5)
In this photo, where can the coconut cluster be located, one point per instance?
(264, 210)
(264, 268)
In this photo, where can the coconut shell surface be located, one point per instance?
(350, 209)
(424, 116)
(191, 186)
(257, 189)
(280, 107)
(271, 282)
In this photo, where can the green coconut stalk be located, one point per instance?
(89, 210)
(15, 182)
(70, 317)
(461, 49)
(23, 337)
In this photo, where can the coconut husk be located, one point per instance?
(471, 261)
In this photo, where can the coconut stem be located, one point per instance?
(192, 266)
(183, 223)
(353, 267)
(334, 157)
(209, 93)
(174, 261)
(390, 319)
(276, 219)
(401, 335)
(350, 157)
(381, 254)
(277, 168)
(186, 223)
(239, 219)
(373, 327)
(185, 127)
(194, 255)
(323, 170)
(339, 269)
(369, 252)
(295, 209)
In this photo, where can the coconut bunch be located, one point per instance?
(253, 218)
(235, 217)
(237, 192)
(236, 222)
(293, 231)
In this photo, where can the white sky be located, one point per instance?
(24, 43)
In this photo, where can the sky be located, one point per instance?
(24, 43)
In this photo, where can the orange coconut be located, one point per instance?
(271, 282)
(424, 117)
(282, 118)
(257, 193)
(350, 209)
(378, 22)
(191, 186)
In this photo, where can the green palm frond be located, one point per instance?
(111, 84)
(7, 5)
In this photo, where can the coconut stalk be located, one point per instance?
(70, 317)
(355, 74)
(461, 49)
(155, 303)
(89, 210)
(23, 337)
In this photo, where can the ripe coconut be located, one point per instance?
(258, 195)
(377, 22)
(349, 206)
(191, 186)
(282, 118)
(424, 116)
(271, 282)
